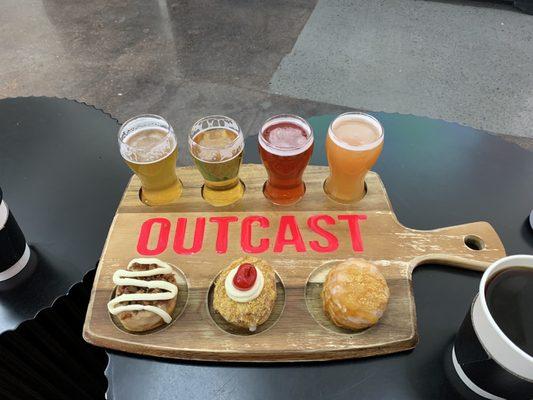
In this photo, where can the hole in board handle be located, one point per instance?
(474, 242)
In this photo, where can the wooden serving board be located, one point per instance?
(297, 329)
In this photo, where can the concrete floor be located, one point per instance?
(468, 62)
(251, 59)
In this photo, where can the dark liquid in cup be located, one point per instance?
(509, 297)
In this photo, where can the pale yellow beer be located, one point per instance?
(216, 144)
(149, 147)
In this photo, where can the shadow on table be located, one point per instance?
(47, 358)
(24, 294)
(19, 279)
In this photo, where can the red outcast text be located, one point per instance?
(255, 234)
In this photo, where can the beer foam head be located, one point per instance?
(216, 138)
(286, 135)
(146, 139)
(216, 145)
(356, 131)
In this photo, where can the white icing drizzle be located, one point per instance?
(127, 277)
(244, 296)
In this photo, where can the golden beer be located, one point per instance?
(216, 144)
(353, 145)
(149, 147)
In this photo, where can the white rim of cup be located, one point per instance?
(515, 360)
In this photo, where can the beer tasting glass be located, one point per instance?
(285, 146)
(353, 145)
(149, 147)
(216, 144)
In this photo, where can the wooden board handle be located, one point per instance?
(471, 246)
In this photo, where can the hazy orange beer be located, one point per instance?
(353, 145)
(285, 146)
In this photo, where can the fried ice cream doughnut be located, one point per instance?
(355, 294)
(245, 299)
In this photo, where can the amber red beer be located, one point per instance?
(285, 146)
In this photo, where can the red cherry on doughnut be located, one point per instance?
(245, 277)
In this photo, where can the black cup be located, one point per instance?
(14, 251)
(484, 358)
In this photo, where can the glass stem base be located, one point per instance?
(161, 196)
(223, 197)
(283, 196)
(344, 196)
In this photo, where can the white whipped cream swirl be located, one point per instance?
(127, 277)
(244, 296)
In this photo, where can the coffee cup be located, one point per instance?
(492, 353)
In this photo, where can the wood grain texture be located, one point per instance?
(302, 332)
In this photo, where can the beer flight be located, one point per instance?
(149, 146)
(245, 291)
(354, 293)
